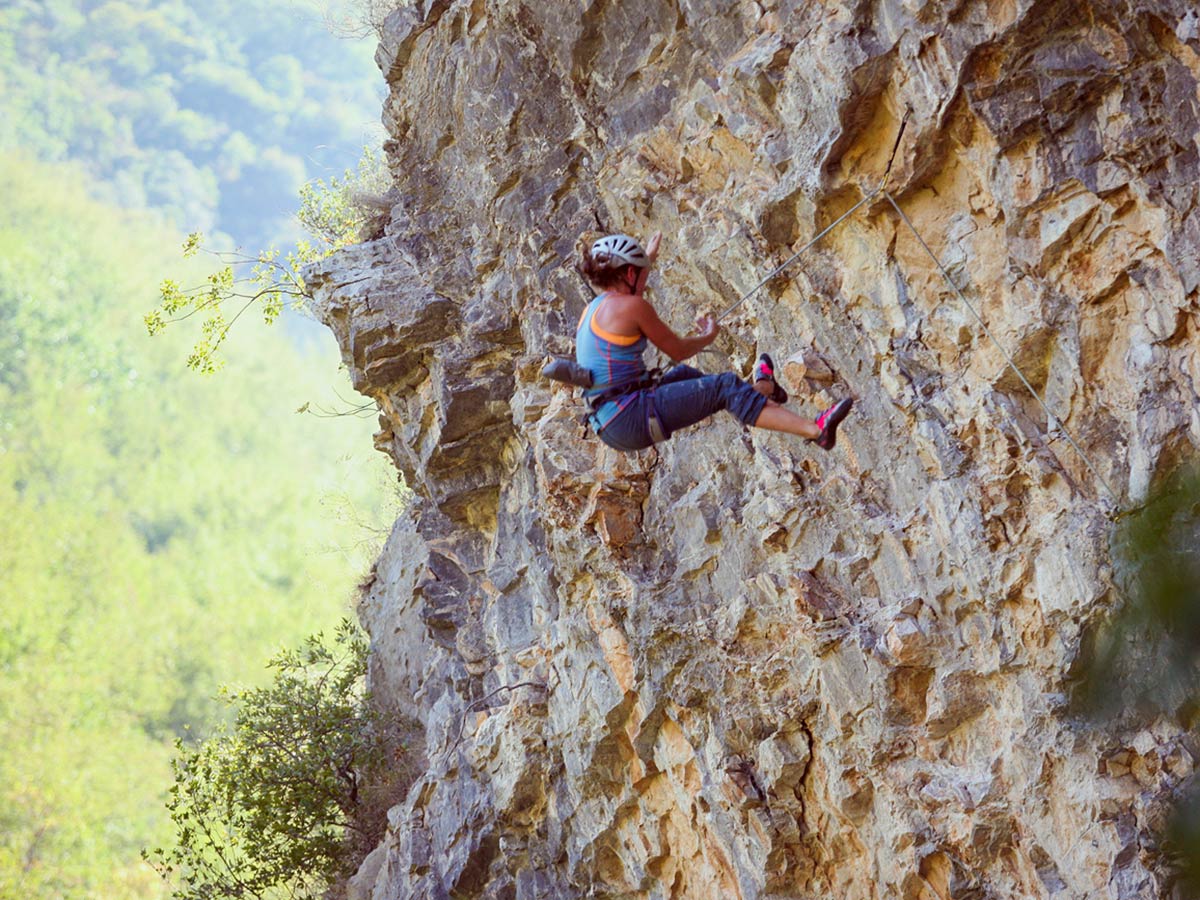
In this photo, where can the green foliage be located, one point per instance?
(264, 807)
(209, 112)
(241, 282)
(1144, 662)
(335, 214)
(338, 213)
(160, 533)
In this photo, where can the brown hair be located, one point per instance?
(602, 270)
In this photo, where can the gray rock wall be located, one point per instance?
(736, 666)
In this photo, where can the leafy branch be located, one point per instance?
(336, 214)
(242, 281)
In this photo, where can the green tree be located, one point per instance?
(278, 803)
(161, 533)
(147, 94)
(1143, 662)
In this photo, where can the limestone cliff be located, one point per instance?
(736, 666)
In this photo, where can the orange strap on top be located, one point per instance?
(621, 340)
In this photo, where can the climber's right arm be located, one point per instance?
(661, 336)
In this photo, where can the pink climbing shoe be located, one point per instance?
(828, 422)
(764, 370)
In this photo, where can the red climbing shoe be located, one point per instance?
(828, 422)
(764, 370)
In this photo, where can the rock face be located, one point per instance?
(735, 666)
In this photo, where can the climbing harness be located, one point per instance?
(648, 381)
(612, 392)
(568, 371)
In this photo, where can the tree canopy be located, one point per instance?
(210, 112)
(162, 534)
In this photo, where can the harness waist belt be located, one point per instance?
(650, 379)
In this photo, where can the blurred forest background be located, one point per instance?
(211, 113)
(161, 533)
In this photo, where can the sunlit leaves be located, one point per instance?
(160, 533)
(154, 321)
(265, 805)
(239, 284)
(334, 213)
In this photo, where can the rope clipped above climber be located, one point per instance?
(648, 406)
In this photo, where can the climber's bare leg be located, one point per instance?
(776, 418)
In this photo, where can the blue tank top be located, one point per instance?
(613, 359)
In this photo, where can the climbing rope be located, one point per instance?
(791, 259)
(1052, 421)
(828, 228)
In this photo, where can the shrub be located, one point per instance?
(349, 209)
(361, 18)
(290, 798)
(1142, 663)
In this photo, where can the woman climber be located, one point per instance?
(630, 409)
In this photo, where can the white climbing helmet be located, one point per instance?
(622, 248)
